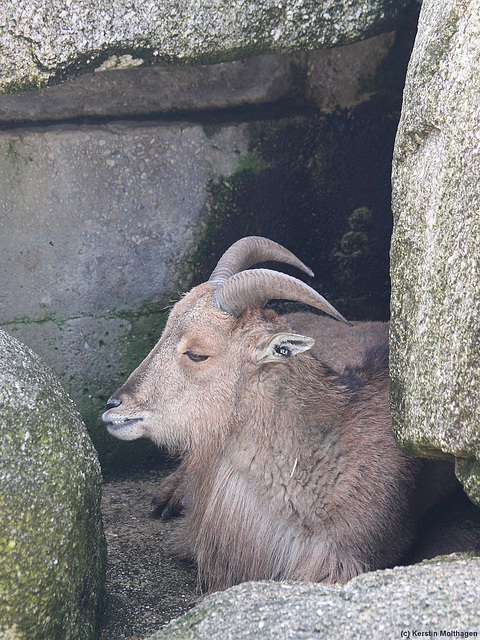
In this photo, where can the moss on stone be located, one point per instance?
(253, 162)
(146, 327)
(23, 84)
(52, 549)
(217, 214)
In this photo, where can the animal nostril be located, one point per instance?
(112, 403)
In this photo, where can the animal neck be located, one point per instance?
(295, 398)
(276, 429)
(285, 416)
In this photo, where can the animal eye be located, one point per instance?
(195, 357)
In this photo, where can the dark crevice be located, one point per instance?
(215, 116)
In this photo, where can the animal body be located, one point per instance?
(290, 469)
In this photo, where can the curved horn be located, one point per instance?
(249, 251)
(255, 287)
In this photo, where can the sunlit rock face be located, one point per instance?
(435, 339)
(46, 42)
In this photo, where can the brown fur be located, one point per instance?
(290, 468)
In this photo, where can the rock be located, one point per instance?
(405, 602)
(343, 77)
(333, 78)
(435, 338)
(160, 90)
(46, 42)
(52, 549)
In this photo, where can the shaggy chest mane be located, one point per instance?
(235, 536)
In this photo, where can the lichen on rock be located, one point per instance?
(435, 339)
(45, 42)
(52, 548)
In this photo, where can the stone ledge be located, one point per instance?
(45, 42)
(342, 77)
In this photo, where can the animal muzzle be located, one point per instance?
(121, 426)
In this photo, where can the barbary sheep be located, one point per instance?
(290, 469)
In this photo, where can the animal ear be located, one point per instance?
(282, 345)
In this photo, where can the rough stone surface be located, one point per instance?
(404, 602)
(120, 208)
(435, 336)
(94, 224)
(46, 41)
(158, 90)
(52, 549)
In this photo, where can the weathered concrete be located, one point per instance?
(344, 77)
(95, 223)
(46, 41)
(118, 210)
(52, 549)
(404, 602)
(173, 91)
(435, 338)
(332, 78)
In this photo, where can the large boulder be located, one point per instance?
(435, 338)
(45, 42)
(52, 549)
(432, 599)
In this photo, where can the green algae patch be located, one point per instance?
(52, 548)
(136, 335)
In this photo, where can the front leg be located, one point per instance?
(169, 501)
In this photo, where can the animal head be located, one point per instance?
(215, 341)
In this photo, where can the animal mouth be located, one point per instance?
(115, 423)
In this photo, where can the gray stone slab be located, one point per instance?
(433, 599)
(435, 340)
(158, 90)
(47, 41)
(114, 207)
(333, 78)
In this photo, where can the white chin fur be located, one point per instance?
(130, 430)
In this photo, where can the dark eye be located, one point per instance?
(195, 357)
(283, 351)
